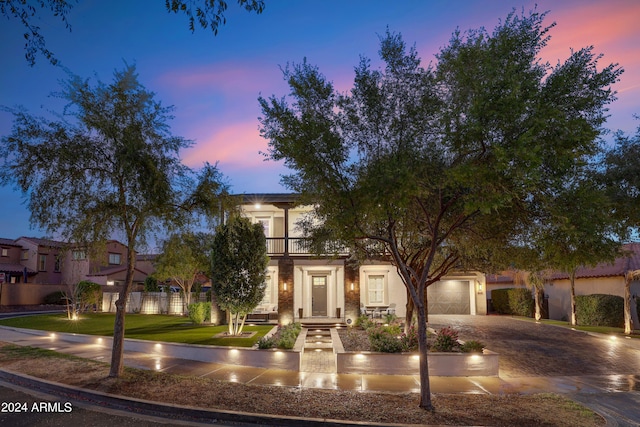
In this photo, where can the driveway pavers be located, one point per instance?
(530, 349)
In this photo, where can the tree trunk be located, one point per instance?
(572, 278)
(425, 387)
(539, 298)
(627, 304)
(408, 319)
(117, 351)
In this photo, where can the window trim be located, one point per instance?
(376, 272)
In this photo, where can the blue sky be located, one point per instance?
(214, 82)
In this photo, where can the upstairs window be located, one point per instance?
(114, 259)
(79, 255)
(42, 263)
(5, 252)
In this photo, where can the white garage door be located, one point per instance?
(449, 297)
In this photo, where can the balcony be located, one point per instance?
(299, 246)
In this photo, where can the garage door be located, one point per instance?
(449, 297)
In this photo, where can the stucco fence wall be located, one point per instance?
(151, 302)
(27, 293)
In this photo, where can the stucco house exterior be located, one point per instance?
(604, 278)
(303, 286)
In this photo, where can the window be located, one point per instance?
(267, 291)
(79, 255)
(5, 252)
(265, 225)
(375, 286)
(42, 263)
(114, 259)
(25, 254)
(56, 266)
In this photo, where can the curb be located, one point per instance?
(166, 411)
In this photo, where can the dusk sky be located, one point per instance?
(214, 82)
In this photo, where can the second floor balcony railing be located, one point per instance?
(298, 246)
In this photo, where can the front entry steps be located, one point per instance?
(318, 354)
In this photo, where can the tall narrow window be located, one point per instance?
(42, 263)
(56, 266)
(375, 285)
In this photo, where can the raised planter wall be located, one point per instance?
(274, 358)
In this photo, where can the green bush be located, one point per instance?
(88, 295)
(288, 335)
(500, 301)
(515, 301)
(151, 284)
(385, 339)
(199, 311)
(472, 346)
(600, 310)
(364, 322)
(410, 339)
(266, 343)
(446, 340)
(521, 302)
(57, 297)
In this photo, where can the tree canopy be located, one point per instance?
(443, 167)
(108, 166)
(239, 269)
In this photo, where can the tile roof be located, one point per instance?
(8, 242)
(43, 242)
(15, 268)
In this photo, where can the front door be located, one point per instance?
(319, 296)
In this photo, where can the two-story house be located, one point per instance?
(10, 262)
(303, 286)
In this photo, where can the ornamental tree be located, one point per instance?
(438, 168)
(184, 256)
(108, 165)
(239, 268)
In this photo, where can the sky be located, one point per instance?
(214, 81)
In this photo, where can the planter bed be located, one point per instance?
(483, 364)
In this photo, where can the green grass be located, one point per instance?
(152, 327)
(598, 329)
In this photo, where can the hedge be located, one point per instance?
(600, 310)
(515, 301)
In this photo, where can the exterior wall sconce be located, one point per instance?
(480, 287)
(352, 287)
(284, 286)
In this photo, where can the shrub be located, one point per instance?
(88, 295)
(151, 284)
(385, 339)
(446, 340)
(57, 297)
(410, 339)
(364, 322)
(266, 343)
(199, 311)
(390, 318)
(472, 347)
(515, 301)
(288, 335)
(600, 310)
(521, 302)
(500, 301)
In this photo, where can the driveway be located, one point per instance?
(529, 349)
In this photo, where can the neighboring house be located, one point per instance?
(10, 262)
(42, 257)
(605, 278)
(302, 285)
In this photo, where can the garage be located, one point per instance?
(449, 297)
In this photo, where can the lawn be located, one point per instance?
(152, 327)
(598, 329)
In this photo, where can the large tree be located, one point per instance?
(204, 13)
(184, 256)
(438, 169)
(621, 177)
(113, 169)
(239, 269)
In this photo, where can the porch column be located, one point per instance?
(285, 296)
(351, 296)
